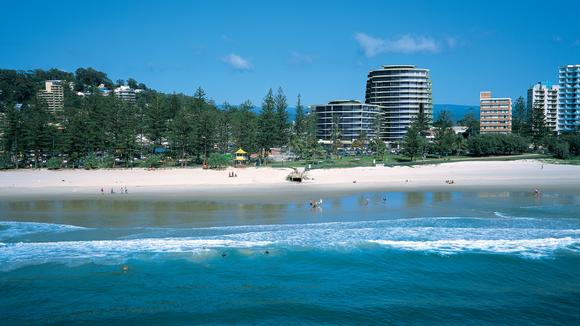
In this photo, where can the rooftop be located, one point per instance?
(344, 102)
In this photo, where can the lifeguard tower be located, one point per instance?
(241, 158)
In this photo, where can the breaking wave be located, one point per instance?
(444, 235)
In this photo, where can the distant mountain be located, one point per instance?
(457, 111)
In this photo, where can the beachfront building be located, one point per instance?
(125, 93)
(53, 95)
(495, 114)
(544, 97)
(347, 119)
(401, 91)
(569, 92)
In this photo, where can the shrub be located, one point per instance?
(153, 161)
(574, 141)
(54, 163)
(561, 150)
(6, 162)
(106, 162)
(90, 162)
(218, 161)
(501, 144)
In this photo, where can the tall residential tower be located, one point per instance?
(53, 95)
(569, 108)
(400, 91)
(544, 97)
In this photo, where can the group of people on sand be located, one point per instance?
(232, 174)
(316, 203)
(450, 182)
(123, 190)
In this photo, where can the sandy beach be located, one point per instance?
(264, 181)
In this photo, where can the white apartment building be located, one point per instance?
(125, 93)
(401, 91)
(545, 97)
(351, 118)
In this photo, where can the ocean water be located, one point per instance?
(369, 258)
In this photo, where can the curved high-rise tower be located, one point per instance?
(401, 91)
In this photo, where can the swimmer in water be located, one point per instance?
(125, 268)
(224, 254)
(267, 252)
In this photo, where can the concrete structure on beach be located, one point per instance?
(348, 118)
(400, 90)
(495, 114)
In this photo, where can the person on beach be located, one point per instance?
(112, 191)
(102, 191)
(126, 190)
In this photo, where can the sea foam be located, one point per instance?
(13, 229)
(431, 235)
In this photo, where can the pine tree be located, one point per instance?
(281, 118)
(155, 119)
(539, 129)
(519, 125)
(181, 131)
(336, 135)
(444, 135)
(300, 119)
(414, 142)
(245, 128)
(268, 125)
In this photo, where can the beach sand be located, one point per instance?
(264, 181)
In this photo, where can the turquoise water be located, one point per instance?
(369, 258)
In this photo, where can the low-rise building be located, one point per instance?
(495, 114)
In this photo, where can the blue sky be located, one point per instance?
(323, 50)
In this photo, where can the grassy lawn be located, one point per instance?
(399, 160)
(405, 161)
(570, 161)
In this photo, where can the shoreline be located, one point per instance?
(265, 182)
